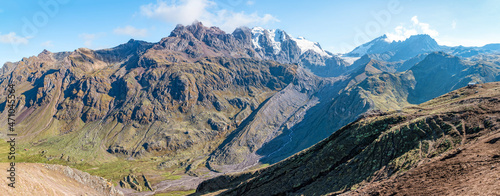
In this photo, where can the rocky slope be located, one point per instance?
(471, 169)
(380, 146)
(182, 95)
(46, 179)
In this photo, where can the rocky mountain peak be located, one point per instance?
(45, 54)
(420, 37)
(244, 34)
(424, 41)
(197, 29)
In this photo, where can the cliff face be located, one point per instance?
(379, 146)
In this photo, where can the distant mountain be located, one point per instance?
(382, 48)
(439, 73)
(466, 52)
(386, 50)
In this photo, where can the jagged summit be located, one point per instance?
(197, 29)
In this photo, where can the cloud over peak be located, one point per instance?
(403, 31)
(187, 11)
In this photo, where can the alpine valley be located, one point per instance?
(259, 112)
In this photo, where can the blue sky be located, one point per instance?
(339, 26)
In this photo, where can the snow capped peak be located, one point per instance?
(363, 49)
(277, 36)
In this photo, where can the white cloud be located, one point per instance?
(12, 38)
(402, 32)
(250, 2)
(131, 31)
(454, 24)
(229, 21)
(89, 38)
(187, 11)
(47, 44)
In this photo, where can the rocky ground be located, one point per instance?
(45, 179)
(472, 170)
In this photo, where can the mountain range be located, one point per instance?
(202, 102)
(382, 48)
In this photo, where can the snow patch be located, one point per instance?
(363, 49)
(306, 45)
(349, 60)
(256, 33)
(276, 36)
